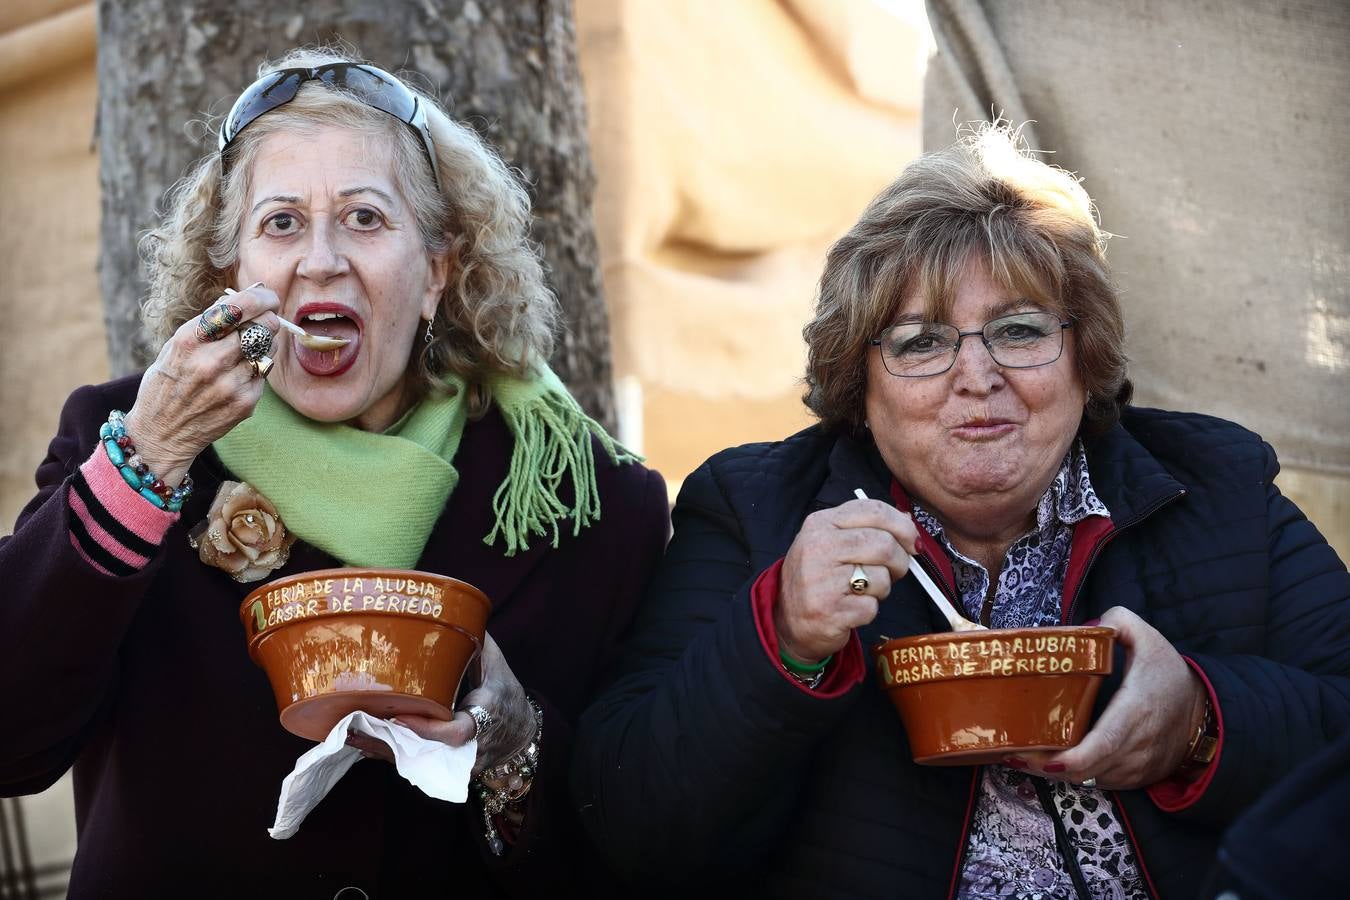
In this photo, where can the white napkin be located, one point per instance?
(439, 770)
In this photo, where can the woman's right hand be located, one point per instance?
(816, 610)
(197, 390)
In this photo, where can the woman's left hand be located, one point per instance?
(498, 692)
(1142, 734)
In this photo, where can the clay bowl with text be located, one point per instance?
(973, 697)
(384, 641)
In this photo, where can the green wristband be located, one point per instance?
(796, 665)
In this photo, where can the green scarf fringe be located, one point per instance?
(552, 445)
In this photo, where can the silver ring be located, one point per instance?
(255, 341)
(482, 720)
(1088, 783)
(859, 583)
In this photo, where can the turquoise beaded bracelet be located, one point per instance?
(122, 454)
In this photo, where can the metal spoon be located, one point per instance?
(954, 618)
(312, 341)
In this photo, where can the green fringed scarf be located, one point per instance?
(372, 499)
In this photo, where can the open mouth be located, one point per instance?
(328, 320)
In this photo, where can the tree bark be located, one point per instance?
(508, 69)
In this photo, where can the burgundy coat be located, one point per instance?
(145, 686)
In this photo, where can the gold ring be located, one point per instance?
(859, 582)
(262, 366)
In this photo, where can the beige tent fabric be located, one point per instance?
(733, 142)
(51, 323)
(1213, 136)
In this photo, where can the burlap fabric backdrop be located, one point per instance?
(1213, 136)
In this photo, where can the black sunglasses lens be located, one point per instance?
(373, 87)
(264, 96)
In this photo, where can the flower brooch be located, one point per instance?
(242, 534)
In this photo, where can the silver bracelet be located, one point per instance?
(810, 682)
(496, 801)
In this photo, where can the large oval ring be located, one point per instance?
(218, 321)
(255, 341)
(859, 583)
(482, 720)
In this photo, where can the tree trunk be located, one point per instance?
(508, 69)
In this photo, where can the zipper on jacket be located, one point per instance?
(948, 591)
(1106, 539)
(1066, 849)
(963, 848)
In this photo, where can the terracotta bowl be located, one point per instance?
(385, 641)
(970, 698)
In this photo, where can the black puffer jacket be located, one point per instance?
(703, 764)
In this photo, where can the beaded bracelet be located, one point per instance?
(122, 454)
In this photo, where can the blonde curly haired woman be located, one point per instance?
(426, 432)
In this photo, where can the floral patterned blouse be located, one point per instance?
(1013, 850)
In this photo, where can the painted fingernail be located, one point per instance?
(1013, 762)
(1055, 767)
(1093, 622)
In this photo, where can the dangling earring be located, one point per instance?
(429, 336)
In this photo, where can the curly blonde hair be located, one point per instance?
(983, 199)
(496, 314)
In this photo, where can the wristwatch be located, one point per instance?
(1205, 745)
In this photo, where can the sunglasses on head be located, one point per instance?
(374, 87)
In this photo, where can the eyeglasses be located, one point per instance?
(1019, 341)
(374, 87)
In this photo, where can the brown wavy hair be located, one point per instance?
(984, 199)
(496, 313)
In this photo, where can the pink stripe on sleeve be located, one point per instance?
(75, 542)
(139, 515)
(112, 527)
(126, 503)
(104, 539)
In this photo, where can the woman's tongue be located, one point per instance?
(329, 362)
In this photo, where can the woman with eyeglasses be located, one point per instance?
(966, 362)
(417, 426)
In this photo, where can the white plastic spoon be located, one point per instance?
(954, 618)
(312, 341)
